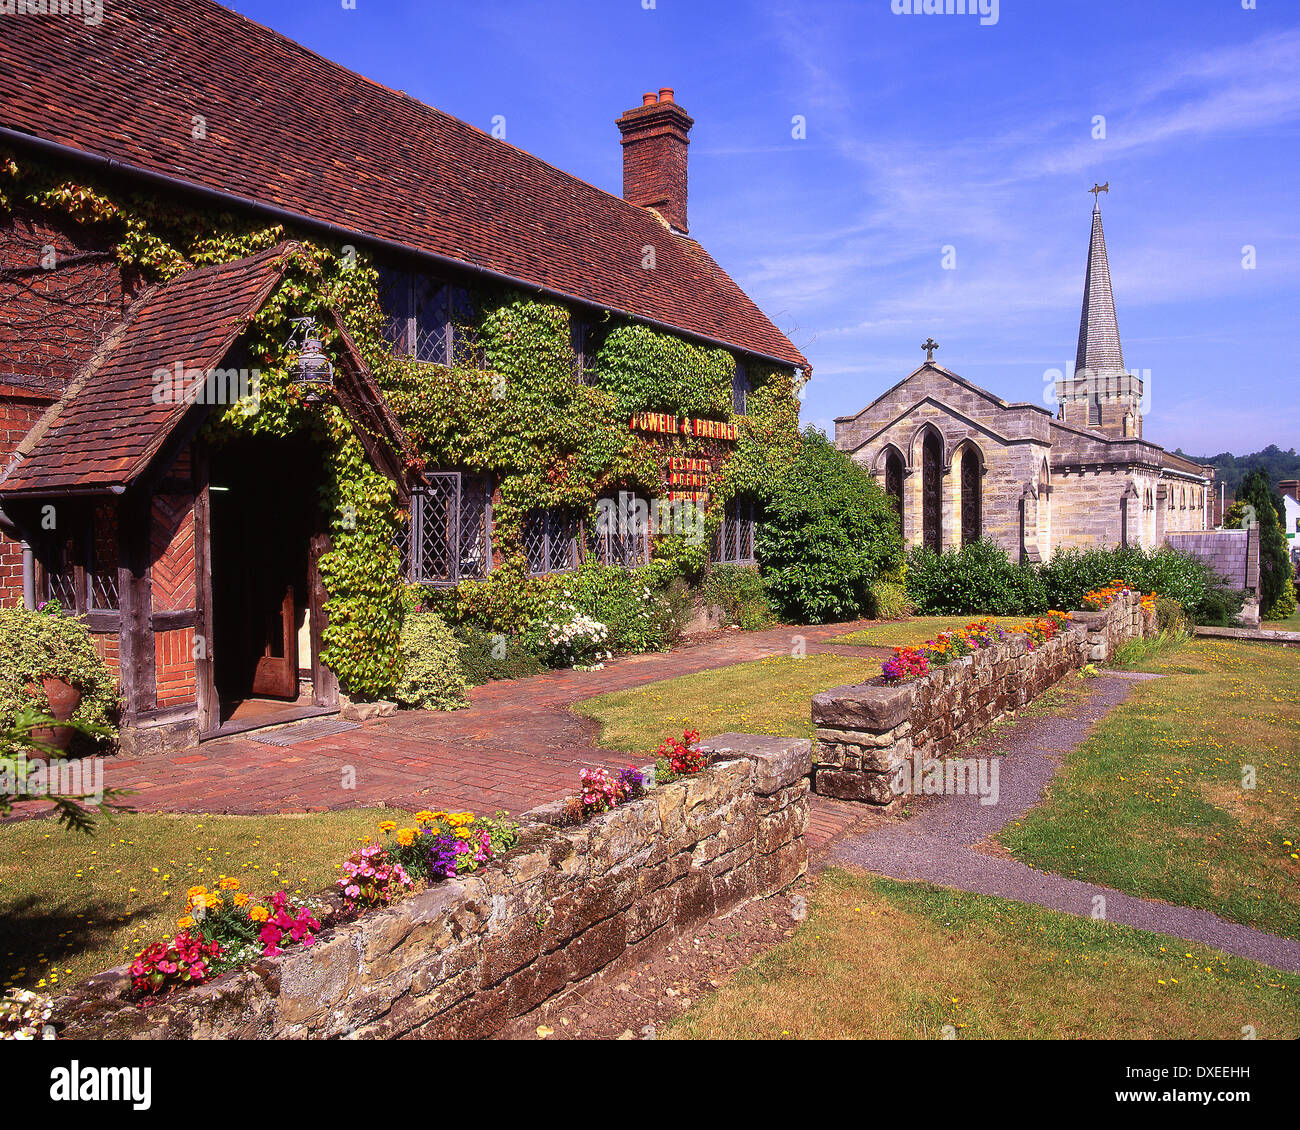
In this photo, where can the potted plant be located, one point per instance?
(47, 655)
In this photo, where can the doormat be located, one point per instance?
(303, 731)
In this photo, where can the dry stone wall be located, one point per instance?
(468, 958)
(866, 733)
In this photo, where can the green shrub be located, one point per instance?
(1274, 560)
(641, 609)
(431, 676)
(738, 590)
(48, 643)
(827, 532)
(978, 578)
(1167, 572)
(1170, 616)
(889, 601)
(1220, 607)
(1285, 605)
(486, 656)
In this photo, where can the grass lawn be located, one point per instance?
(71, 904)
(1152, 803)
(880, 959)
(766, 696)
(1290, 624)
(916, 629)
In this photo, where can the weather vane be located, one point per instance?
(930, 345)
(1097, 189)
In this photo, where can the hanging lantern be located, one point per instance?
(314, 373)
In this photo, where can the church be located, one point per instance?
(962, 464)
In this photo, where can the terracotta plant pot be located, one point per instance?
(64, 699)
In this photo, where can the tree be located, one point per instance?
(828, 532)
(1274, 560)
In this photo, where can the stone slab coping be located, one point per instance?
(778, 762)
(1263, 635)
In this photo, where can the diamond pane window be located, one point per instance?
(430, 336)
(622, 535)
(61, 575)
(550, 541)
(395, 303)
(427, 319)
(449, 536)
(101, 573)
(740, 390)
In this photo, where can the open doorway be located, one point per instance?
(265, 531)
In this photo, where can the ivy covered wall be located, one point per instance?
(514, 409)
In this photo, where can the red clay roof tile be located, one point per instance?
(289, 128)
(106, 429)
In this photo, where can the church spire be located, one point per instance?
(1099, 349)
(1101, 393)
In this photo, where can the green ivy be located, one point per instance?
(510, 407)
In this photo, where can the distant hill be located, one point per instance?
(1232, 469)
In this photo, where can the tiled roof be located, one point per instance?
(291, 129)
(107, 427)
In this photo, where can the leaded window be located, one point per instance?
(449, 535)
(740, 390)
(622, 533)
(551, 541)
(427, 319)
(584, 349)
(80, 563)
(734, 544)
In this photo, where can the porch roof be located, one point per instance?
(107, 427)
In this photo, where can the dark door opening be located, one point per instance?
(264, 513)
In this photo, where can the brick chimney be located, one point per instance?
(655, 137)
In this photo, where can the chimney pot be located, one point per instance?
(649, 98)
(655, 137)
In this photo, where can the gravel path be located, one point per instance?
(938, 844)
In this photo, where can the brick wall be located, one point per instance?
(19, 411)
(494, 950)
(106, 646)
(65, 292)
(174, 666)
(866, 733)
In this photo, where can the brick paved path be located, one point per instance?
(518, 745)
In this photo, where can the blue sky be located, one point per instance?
(926, 132)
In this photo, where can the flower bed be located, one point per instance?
(497, 944)
(225, 929)
(1100, 599)
(914, 662)
(931, 698)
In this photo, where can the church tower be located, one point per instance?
(1102, 394)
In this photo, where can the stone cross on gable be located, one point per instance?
(929, 345)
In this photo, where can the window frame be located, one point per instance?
(738, 529)
(740, 390)
(634, 547)
(558, 525)
(423, 291)
(462, 541)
